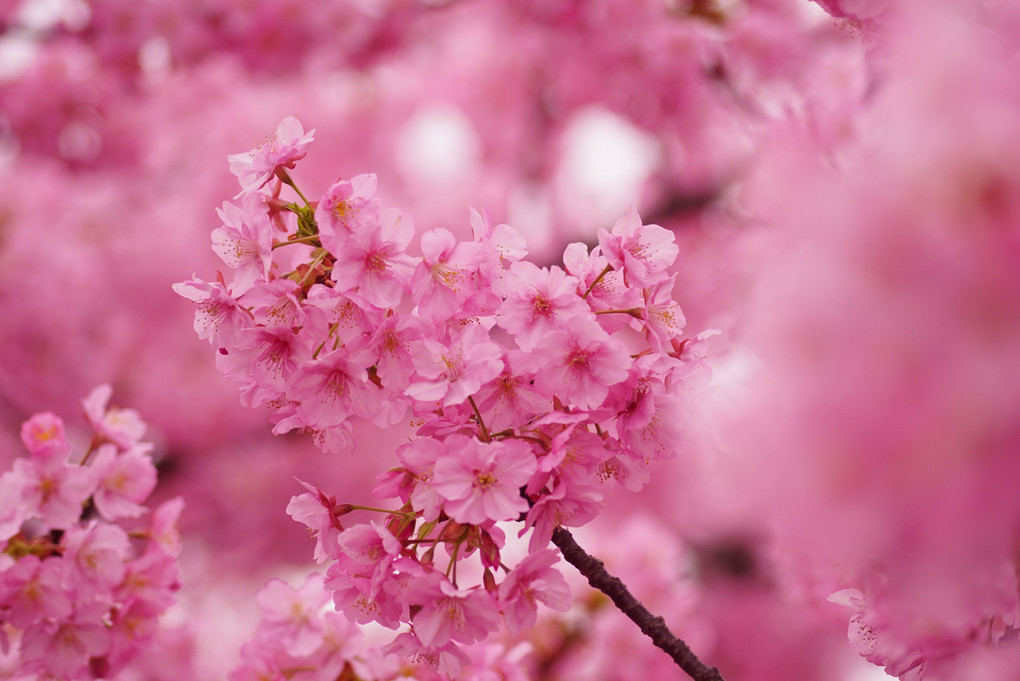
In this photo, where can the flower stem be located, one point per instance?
(285, 177)
(635, 312)
(311, 268)
(652, 626)
(481, 423)
(355, 507)
(310, 239)
(594, 283)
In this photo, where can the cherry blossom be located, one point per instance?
(280, 150)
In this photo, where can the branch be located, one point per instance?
(653, 627)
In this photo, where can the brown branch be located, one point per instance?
(653, 627)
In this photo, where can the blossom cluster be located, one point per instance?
(534, 388)
(80, 595)
(299, 633)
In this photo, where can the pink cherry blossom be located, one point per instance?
(531, 581)
(64, 646)
(368, 550)
(481, 481)
(451, 614)
(31, 590)
(290, 615)
(455, 371)
(275, 303)
(373, 261)
(445, 277)
(664, 320)
(255, 168)
(419, 459)
(565, 505)
(123, 481)
(605, 287)
(346, 207)
(582, 362)
(643, 252)
(123, 427)
(53, 491)
(538, 301)
(368, 578)
(164, 531)
(244, 242)
(320, 514)
(43, 436)
(393, 338)
(510, 399)
(95, 557)
(218, 317)
(332, 388)
(502, 246)
(446, 659)
(150, 580)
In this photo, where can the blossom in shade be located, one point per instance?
(446, 659)
(164, 532)
(533, 580)
(30, 590)
(290, 615)
(451, 614)
(123, 481)
(43, 436)
(12, 513)
(565, 505)
(95, 556)
(64, 646)
(53, 491)
(123, 427)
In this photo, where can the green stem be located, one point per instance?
(289, 181)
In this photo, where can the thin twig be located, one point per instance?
(653, 627)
